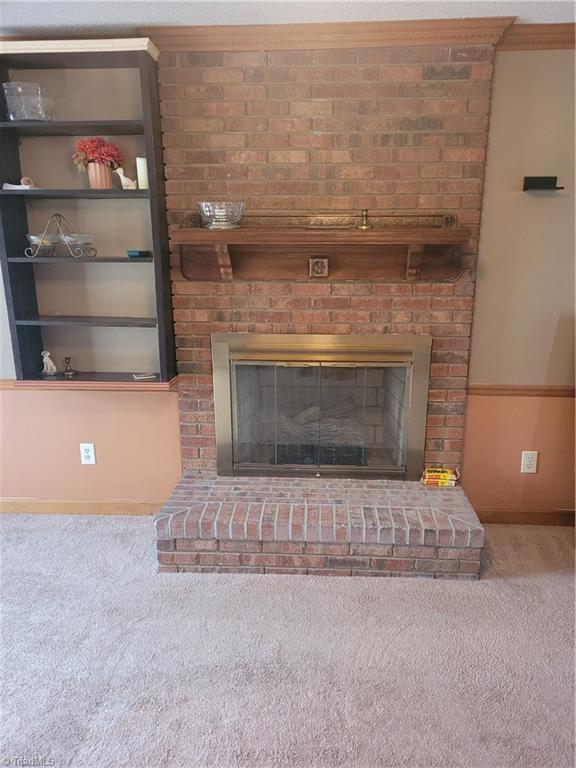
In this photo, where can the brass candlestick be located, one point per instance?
(365, 223)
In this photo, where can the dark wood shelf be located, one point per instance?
(78, 260)
(321, 236)
(74, 127)
(90, 376)
(105, 322)
(282, 252)
(64, 194)
(28, 323)
(97, 381)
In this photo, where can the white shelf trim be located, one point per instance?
(80, 46)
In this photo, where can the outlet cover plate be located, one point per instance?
(87, 453)
(529, 463)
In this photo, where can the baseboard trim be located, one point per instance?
(525, 516)
(564, 517)
(55, 507)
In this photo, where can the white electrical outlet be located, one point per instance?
(529, 464)
(87, 455)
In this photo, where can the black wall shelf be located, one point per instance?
(102, 322)
(541, 184)
(81, 194)
(79, 260)
(90, 376)
(20, 278)
(74, 127)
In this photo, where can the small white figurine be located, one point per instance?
(124, 180)
(49, 369)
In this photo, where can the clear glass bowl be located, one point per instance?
(25, 102)
(221, 215)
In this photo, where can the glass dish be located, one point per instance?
(221, 215)
(76, 239)
(45, 244)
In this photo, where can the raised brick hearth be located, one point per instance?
(329, 527)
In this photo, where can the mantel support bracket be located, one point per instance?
(224, 262)
(414, 260)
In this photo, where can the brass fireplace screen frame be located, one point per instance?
(413, 352)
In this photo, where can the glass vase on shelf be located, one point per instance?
(24, 101)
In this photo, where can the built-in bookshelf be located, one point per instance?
(112, 314)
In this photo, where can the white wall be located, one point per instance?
(523, 327)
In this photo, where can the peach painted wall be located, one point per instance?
(498, 429)
(136, 437)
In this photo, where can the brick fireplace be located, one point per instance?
(397, 129)
(391, 128)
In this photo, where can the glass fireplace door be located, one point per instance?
(319, 415)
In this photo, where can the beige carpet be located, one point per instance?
(108, 664)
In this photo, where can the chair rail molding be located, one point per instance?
(521, 390)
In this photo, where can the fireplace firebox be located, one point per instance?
(319, 404)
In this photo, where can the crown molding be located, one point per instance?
(373, 34)
(499, 31)
(534, 37)
(101, 45)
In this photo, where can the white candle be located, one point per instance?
(142, 172)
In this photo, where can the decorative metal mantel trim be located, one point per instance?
(321, 219)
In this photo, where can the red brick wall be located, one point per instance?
(402, 129)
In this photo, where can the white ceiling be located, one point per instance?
(53, 16)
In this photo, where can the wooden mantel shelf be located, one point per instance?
(321, 236)
(285, 252)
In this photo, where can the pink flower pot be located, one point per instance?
(99, 176)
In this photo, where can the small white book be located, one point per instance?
(18, 186)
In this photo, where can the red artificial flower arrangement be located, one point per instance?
(95, 150)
